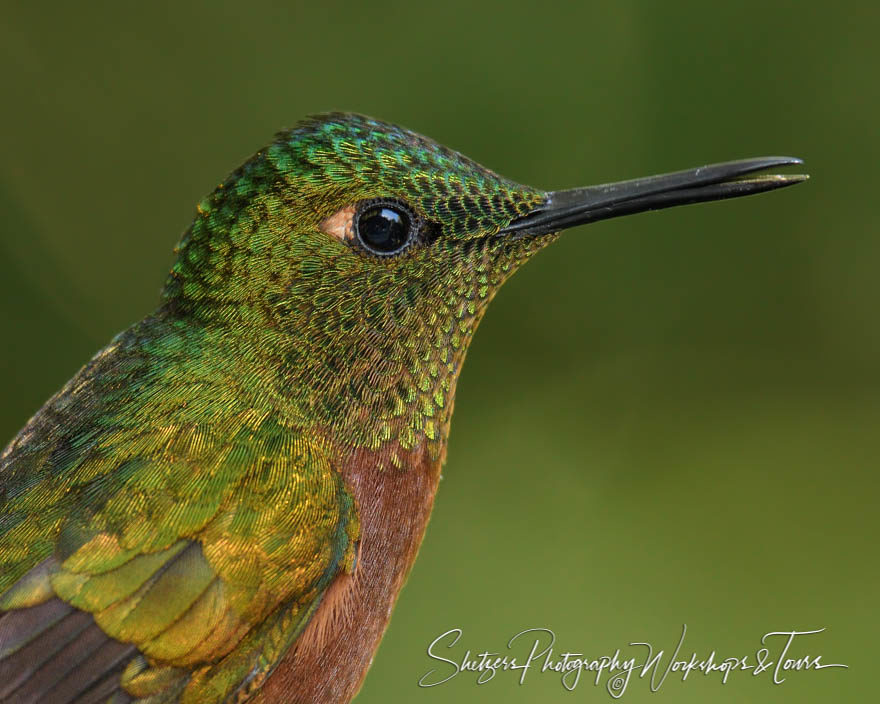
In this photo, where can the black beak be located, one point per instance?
(579, 206)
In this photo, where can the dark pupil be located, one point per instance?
(383, 229)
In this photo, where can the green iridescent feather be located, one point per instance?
(181, 516)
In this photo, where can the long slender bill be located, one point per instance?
(578, 206)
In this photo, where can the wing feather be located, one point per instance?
(153, 553)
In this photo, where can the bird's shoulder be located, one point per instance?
(192, 525)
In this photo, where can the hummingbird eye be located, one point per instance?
(385, 227)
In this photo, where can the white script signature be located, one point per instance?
(535, 650)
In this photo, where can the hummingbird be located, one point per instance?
(224, 503)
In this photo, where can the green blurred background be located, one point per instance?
(665, 419)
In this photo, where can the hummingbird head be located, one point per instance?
(354, 259)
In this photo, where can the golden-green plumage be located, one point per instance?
(182, 487)
(182, 527)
